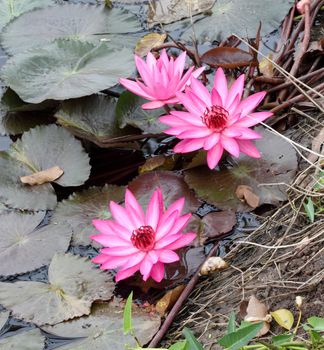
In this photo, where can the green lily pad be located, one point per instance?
(277, 166)
(172, 186)
(81, 208)
(46, 146)
(66, 69)
(86, 23)
(92, 118)
(103, 328)
(239, 17)
(30, 340)
(10, 9)
(130, 112)
(3, 318)
(74, 283)
(27, 245)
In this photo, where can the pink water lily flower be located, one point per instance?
(216, 121)
(162, 79)
(135, 241)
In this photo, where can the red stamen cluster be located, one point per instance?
(215, 118)
(143, 238)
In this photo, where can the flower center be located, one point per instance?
(143, 238)
(215, 118)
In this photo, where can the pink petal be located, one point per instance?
(153, 105)
(157, 272)
(119, 251)
(123, 274)
(151, 254)
(211, 141)
(99, 259)
(190, 145)
(232, 132)
(177, 205)
(248, 134)
(164, 229)
(198, 102)
(150, 61)
(195, 133)
(185, 80)
(187, 102)
(249, 104)
(121, 216)
(121, 231)
(179, 63)
(135, 88)
(145, 268)
(188, 117)
(235, 90)
(179, 225)
(172, 121)
(153, 211)
(216, 98)
(110, 240)
(197, 72)
(248, 148)
(220, 84)
(230, 145)
(252, 119)
(134, 259)
(114, 262)
(182, 241)
(102, 225)
(214, 155)
(168, 256)
(201, 91)
(143, 71)
(132, 203)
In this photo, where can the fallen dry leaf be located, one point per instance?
(266, 67)
(254, 311)
(245, 194)
(317, 144)
(149, 42)
(43, 176)
(212, 264)
(168, 300)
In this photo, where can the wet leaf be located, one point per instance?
(172, 185)
(245, 194)
(73, 284)
(236, 17)
(86, 23)
(66, 69)
(227, 57)
(103, 328)
(41, 177)
(82, 207)
(168, 11)
(29, 340)
(277, 164)
(284, 318)
(149, 42)
(30, 246)
(3, 318)
(10, 9)
(218, 223)
(130, 112)
(168, 300)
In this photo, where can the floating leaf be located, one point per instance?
(92, 118)
(28, 246)
(172, 186)
(284, 318)
(236, 17)
(74, 283)
(3, 318)
(66, 69)
(30, 340)
(103, 328)
(81, 208)
(149, 42)
(227, 57)
(130, 112)
(41, 177)
(69, 21)
(278, 164)
(10, 9)
(46, 146)
(218, 223)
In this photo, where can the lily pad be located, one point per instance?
(239, 17)
(3, 318)
(172, 185)
(46, 146)
(73, 285)
(30, 340)
(81, 208)
(92, 118)
(66, 69)
(277, 166)
(103, 328)
(86, 23)
(10, 9)
(24, 247)
(130, 112)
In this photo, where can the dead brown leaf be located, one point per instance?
(43, 176)
(149, 42)
(168, 300)
(245, 194)
(317, 144)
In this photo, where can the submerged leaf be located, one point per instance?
(86, 23)
(103, 328)
(73, 284)
(82, 207)
(278, 164)
(66, 69)
(30, 340)
(30, 247)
